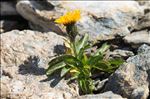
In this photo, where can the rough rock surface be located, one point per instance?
(138, 38)
(99, 84)
(25, 54)
(106, 95)
(99, 17)
(8, 8)
(144, 22)
(144, 49)
(132, 79)
(145, 4)
(24, 57)
(18, 45)
(118, 53)
(33, 8)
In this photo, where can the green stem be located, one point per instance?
(74, 49)
(71, 31)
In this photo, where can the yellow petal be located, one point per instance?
(69, 17)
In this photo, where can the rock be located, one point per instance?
(32, 88)
(10, 19)
(143, 23)
(18, 45)
(118, 53)
(96, 19)
(142, 60)
(106, 95)
(24, 58)
(145, 4)
(8, 8)
(99, 84)
(138, 38)
(113, 19)
(6, 88)
(132, 79)
(8, 25)
(33, 8)
(144, 49)
(143, 20)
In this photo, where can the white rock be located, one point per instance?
(98, 17)
(138, 38)
(132, 79)
(105, 95)
(17, 46)
(8, 8)
(24, 58)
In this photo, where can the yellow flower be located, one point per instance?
(69, 18)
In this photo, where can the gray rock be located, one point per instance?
(8, 8)
(138, 38)
(106, 95)
(143, 23)
(34, 10)
(142, 60)
(24, 58)
(30, 87)
(144, 20)
(109, 18)
(143, 49)
(99, 84)
(118, 53)
(132, 79)
(18, 45)
(145, 4)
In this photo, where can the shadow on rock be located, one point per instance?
(59, 49)
(30, 66)
(148, 72)
(54, 79)
(42, 5)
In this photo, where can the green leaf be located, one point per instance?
(86, 85)
(94, 59)
(81, 43)
(108, 66)
(75, 76)
(86, 71)
(64, 71)
(102, 66)
(55, 67)
(82, 85)
(102, 49)
(56, 60)
(73, 62)
(82, 51)
(85, 59)
(91, 86)
(116, 61)
(57, 63)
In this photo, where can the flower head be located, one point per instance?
(69, 18)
